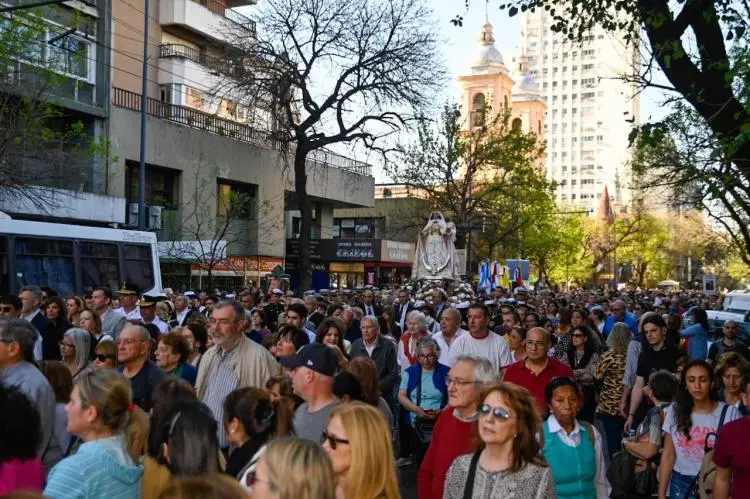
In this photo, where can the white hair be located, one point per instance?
(419, 317)
(483, 371)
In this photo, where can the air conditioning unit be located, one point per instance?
(131, 220)
(155, 221)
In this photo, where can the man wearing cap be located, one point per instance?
(129, 303)
(148, 314)
(235, 361)
(312, 371)
(520, 294)
(274, 308)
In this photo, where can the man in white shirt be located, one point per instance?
(148, 312)
(450, 330)
(181, 311)
(129, 304)
(480, 341)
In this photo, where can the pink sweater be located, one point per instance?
(17, 475)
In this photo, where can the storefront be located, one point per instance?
(351, 263)
(235, 272)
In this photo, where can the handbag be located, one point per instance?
(423, 427)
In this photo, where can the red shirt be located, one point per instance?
(519, 374)
(450, 438)
(732, 452)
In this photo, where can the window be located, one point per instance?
(99, 265)
(46, 262)
(235, 199)
(71, 56)
(4, 266)
(587, 181)
(517, 124)
(137, 266)
(161, 184)
(478, 105)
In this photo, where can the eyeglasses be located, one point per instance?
(578, 335)
(103, 358)
(428, 356)
(458, 382)
(252, 479)
(497, 412)
(131, 341)
(332, 440)
(67, 345)
(536, 344)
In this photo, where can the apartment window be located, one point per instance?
(589, 52)
(587, 181)
(573, 197)
(588, 95)
(227, 196)
(358, 228)
(563, 183)
(161, 184)
(587, 66)
(573, 182)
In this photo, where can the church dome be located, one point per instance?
(526, 85)
(486, 56)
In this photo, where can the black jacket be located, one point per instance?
(51, 337)
(386, 361)
(378, 310)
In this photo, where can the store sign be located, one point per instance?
(354, 249)
(395, 251)
(241, 265)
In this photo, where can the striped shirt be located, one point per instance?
(221, 382)
(631, 363)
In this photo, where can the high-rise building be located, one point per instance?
(590, 110)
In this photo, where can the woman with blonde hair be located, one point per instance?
(358, 441)
(101, 412)
(293, 468)
(74, 305)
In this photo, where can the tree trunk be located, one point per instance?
(210, 279)
(305, 208)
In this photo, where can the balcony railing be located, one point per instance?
(188, 116)
(232, 15)
(183, 51)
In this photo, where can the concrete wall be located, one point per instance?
(194, 151)
(404, 217)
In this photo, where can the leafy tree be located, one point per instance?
(338, 72)
(41, 146)
(556, 244)
(473, 176)
(646, 250)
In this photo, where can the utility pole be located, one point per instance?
(144, 108)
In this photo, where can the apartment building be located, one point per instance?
(590, 110)
(207, 143)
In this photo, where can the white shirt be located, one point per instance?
(163, 326)
(133, 315)
(180, 316)
(445, 348)
(573, 440)
(493, 347)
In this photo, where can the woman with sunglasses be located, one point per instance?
(105, 355)
(101, 412)
(508, 460)
(573, 449)
(293, 468)
(358, 442)
(582, 357)
(695, 413)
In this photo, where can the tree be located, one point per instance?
(478, 177)
(338, 71)
(210, 221)
(556, 244)
(41, 147)
(646, 251)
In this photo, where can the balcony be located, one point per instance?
(226, 68)
(209, 18)
(193, 118)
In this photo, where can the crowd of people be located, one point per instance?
(581, 394)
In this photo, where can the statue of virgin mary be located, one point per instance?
(436, 250)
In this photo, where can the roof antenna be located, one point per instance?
(486, 11)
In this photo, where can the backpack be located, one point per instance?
(703, 486)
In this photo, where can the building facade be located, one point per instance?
(590, 110)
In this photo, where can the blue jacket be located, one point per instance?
(630, 319)
(438, 379)
(100, 468)
(698, 345)
(188, 372)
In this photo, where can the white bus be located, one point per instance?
(74, 259)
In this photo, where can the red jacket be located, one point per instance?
(450, 438)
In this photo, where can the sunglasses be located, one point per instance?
(332, 441)
(578, 335)
(497, 412)
(103, 358)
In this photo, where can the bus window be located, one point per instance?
(99, 265)
(46, 262)
(4, 267)
(138, 266)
